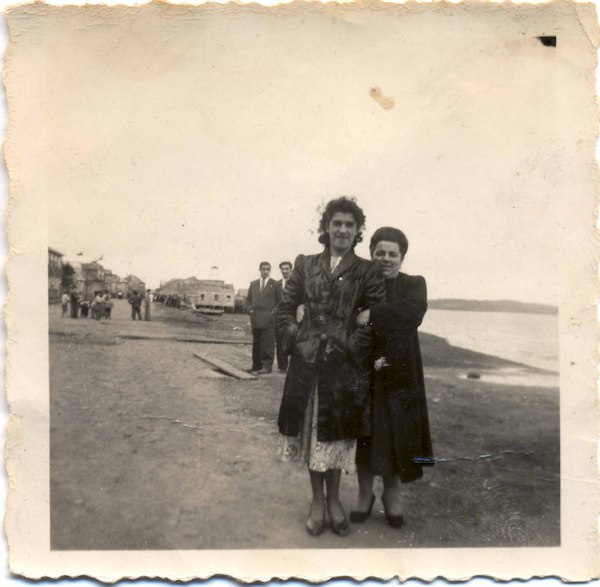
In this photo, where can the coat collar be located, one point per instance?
(346, 263)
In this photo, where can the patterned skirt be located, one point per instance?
(319, 455)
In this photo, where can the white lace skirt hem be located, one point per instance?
(319, 455)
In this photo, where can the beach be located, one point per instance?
(150, 448)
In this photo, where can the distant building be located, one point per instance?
(113, 285)
(93, 279)
(111, 282)
(78, 276)
(213, 293)
(55, 265)
(131, 283)
(180, 287)
(203, 293)
(107, 279)
(88, 278)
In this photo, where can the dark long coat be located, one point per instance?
(400, 405)
(327, 345)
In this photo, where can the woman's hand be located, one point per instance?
(300, 313)
(363, 318)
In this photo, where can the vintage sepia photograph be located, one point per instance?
(316, 281)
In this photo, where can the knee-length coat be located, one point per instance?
(397, 379)
(327, 346)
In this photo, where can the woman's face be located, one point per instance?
(342, 231)
(388, 255)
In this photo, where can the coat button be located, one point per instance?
(323, 336)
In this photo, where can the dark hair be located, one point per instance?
(392, 235)
(342, 204)
(264, 263)
(285, 263)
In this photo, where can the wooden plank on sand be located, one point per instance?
(179, 338)
(211, 340)
(135, 336)
(225, 367)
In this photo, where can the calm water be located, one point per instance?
(531, 339)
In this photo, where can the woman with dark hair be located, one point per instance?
(325, 401)
(400, 442)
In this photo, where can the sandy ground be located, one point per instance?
(152, 449)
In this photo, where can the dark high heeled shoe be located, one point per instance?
(358, 517)
(341, 528)
(394, 520)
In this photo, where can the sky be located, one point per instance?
(215, 145)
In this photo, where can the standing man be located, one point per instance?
(286, 270)
(64, 301)
(147, 300)
(108, 304)
(136, 305)
(263, 297)
(75, 299)
(99, 299)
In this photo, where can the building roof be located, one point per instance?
(55, 252)
(92, 265)
(132, 278)
(193, 284)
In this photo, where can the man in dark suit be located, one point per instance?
(136, 305)
(263, 297)
(286, 270)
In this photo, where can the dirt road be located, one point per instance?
(152, 449)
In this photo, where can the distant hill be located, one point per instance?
(491, 306)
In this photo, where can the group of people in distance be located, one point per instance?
(99, 307)
(102, 304)
(354, 394)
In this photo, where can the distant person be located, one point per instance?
(400, 443)
(75, 299)
(108, 305)
(261, 302)
(94, 307)
(64, 302)
(285, 267)
(147, 301)
(85, 308)
(136, 305)
(98, 306)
